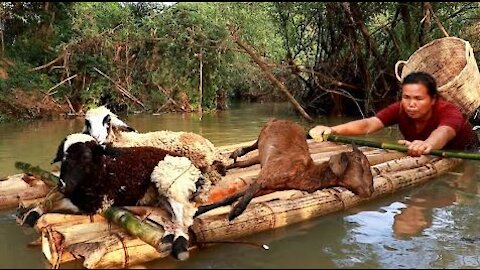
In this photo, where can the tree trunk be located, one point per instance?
(426, 23)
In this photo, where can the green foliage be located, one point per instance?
(145, 47)
(21, 76)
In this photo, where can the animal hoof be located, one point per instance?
(235, 154)
(180, 248)
(29, 218)
(232, 216)
(168, 238)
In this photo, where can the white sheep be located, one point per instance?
(106, 127)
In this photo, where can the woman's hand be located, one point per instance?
(317, 132)
(417, 147)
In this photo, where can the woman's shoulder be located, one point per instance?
(445, 104)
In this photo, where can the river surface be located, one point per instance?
(435, 225)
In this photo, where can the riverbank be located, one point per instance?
(21, 105)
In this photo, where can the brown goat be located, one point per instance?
(286, 164)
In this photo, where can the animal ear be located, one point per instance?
(107, 120)
(60, 154)
(120, 125)
(126, 129)
(86, 127)
(338, 163)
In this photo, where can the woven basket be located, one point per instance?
(451, 62)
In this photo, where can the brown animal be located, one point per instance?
(286, 164)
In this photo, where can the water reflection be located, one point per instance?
(426, 228)
(418, 212)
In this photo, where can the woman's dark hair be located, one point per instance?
(423, 78)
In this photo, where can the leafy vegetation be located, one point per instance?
(334, 57)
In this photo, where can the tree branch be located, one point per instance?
(264, 67)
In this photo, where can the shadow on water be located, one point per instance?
(434, 225)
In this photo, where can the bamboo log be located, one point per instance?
(145, 231)
(56, 241)
(12, 185)
(272, 211)
(15, 190)
(65, 238)
(56, 219)
(277, 213)
(400, 164)
(122, 250)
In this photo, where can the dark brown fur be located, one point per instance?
(286, 164)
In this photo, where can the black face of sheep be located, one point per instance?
(78, 165)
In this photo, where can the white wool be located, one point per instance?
(102, 110)
(199, 149)
(175, 178)
(76, 138)
(191, 145)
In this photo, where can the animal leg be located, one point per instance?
(30, 216)
(205, 208)
(180, 241)
(244, 163)
(169, 233)
(244, 201)
(243, 150)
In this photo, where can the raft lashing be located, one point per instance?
(100, 244)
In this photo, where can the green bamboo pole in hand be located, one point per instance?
(400, 147)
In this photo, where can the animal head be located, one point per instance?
(99, 123)
(67, 142)
(80, 155)
(353, 172)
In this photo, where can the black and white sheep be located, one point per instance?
(106, 127)
(94, 177)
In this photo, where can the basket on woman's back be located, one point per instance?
(451, 62)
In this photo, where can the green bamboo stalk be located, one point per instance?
(151, 235)
(46, 176)
(400, 147)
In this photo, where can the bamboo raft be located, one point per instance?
(103, 244)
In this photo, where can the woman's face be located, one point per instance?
(416, 101)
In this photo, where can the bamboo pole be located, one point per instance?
(400, 147)
(47, 177)
(145, 231)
